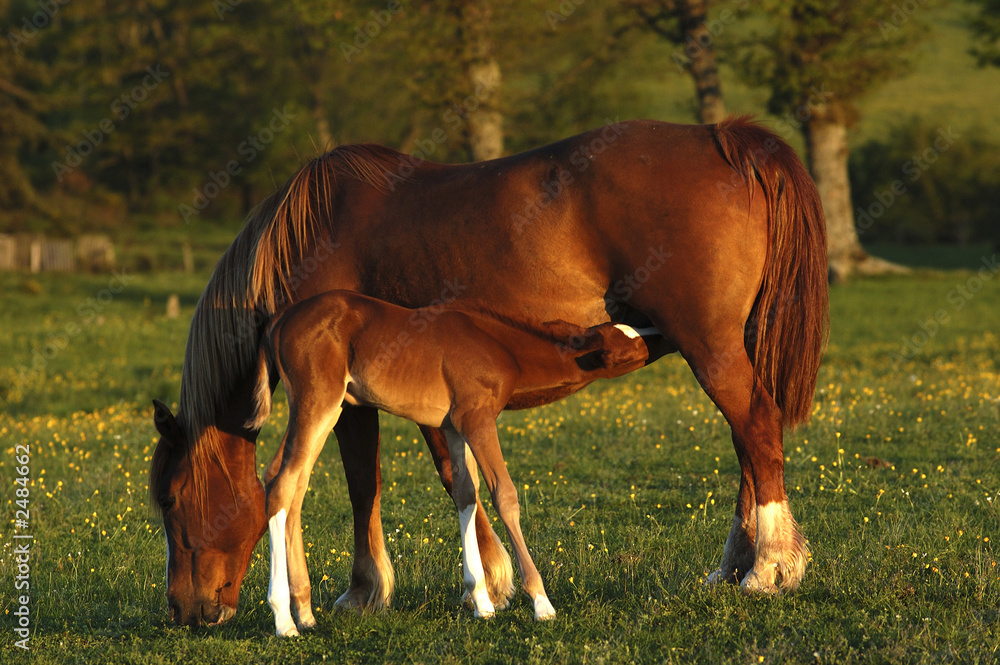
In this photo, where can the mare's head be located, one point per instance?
(212, 505)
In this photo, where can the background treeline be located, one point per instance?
(118, 114)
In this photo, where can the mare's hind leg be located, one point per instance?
(492, 553)
(482, 437)
(738, 555)
(465, 492)
(779, 550)
(372, 577)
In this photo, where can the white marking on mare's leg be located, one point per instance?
(278, 596)
(475, 578)
(780, 550)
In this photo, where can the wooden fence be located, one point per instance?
(35, 253)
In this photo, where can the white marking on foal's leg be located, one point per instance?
(633, 333)
(475, 578)
(543, 608)
(278, 596)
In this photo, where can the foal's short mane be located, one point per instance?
(250, 283)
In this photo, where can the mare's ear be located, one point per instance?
(166, 424)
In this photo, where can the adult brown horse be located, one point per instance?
(712, 234)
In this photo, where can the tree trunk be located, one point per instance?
(702, 67)
(323, 133)
(827, 153)
(485, 132)
(484, 127)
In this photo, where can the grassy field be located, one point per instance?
(626, 489)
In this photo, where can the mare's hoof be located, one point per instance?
(754, 583)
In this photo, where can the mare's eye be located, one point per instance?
(168, 503)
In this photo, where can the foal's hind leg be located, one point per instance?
(465, 490)
(492, 553)
(763, 518)
(482, 437)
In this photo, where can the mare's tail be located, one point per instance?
(786, 333)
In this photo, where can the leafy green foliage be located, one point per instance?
(986, 26)
(923, 183)
(817, 51)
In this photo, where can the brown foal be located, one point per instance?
(445, 368)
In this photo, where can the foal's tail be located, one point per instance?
(786, 333)
(262, 389)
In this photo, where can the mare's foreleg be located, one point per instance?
(495, 559)
(372, 578)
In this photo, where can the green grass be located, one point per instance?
(626, 489)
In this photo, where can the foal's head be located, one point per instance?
(213, 515)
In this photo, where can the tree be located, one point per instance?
(684, 23)
(22, 104)
(818, 59)
(986, 28)
(484, 130)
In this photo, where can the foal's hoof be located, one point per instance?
(290, 631)
(499, 603)
(543, 609)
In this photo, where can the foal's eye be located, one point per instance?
(168, 503)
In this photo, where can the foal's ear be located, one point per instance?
(165, 422)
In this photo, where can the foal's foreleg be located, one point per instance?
(495, 559)
(289, 581)
(465, 490)
(486, 446)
